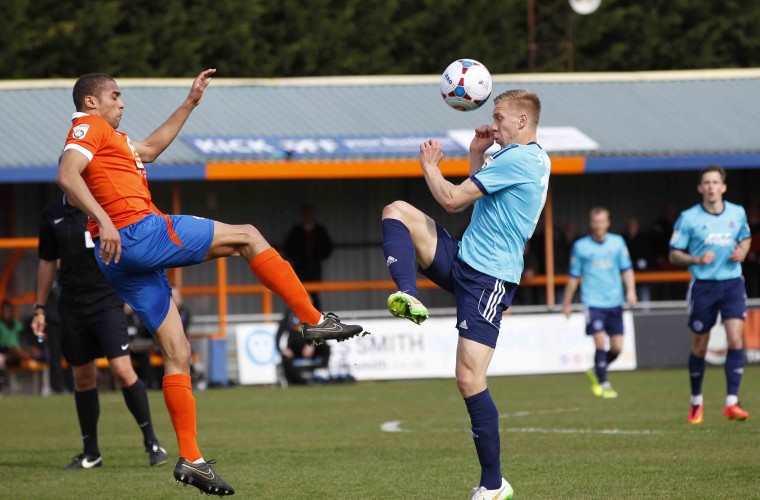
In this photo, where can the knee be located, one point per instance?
(251, 235)
(84, 379)
(125, 376)
(469, 384)
(395, 210)
(735, 343)
(179, 354)
(699, 347)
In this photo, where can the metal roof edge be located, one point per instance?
(332, 81)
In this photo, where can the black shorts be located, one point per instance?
(93, 325)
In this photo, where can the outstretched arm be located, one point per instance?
(453, 198)
(155, 144)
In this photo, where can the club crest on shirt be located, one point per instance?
(80, 131)
(488, 160)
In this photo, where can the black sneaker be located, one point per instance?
(202, 476)
(156, 454)
(330, 328)
(83, 461)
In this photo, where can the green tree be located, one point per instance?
(288, 38)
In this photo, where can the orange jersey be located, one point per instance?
(115, 175)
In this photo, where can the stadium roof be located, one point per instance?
(611, 122)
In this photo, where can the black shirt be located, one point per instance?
(63, 233)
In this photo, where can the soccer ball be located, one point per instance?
(465, 85)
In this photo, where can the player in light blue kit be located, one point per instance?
(601, 259)
(712, 239)
(482, 271)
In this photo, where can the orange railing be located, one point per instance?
(221, 290)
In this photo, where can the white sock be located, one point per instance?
(606, 385)
(732, 399)
(696, 400)
(200, 461)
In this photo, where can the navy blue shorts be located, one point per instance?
(481, 299)
(148, 247)
(708, 297)
(604, 319)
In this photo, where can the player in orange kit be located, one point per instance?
(102, 172)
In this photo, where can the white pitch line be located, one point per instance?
(538, 412)
(395, 426)
(392, 426)
(583, 431)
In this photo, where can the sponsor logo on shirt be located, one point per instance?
(601, 264)
(720, 239)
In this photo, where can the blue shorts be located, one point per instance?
(481, 299)
(604, 319)
(707, 297)
(148, 247)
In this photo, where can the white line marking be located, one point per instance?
(538, 412)
(583, 431)
(392, 426)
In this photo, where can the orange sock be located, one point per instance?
(178, 395)
(275, 273)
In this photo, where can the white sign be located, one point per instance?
(550, 138)
(398, 349)
(257, 353)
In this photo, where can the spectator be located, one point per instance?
(663, 229)
(751, 264)
(640, 245)
(564, 244)
(11, 346)
(528, 295)
(307, 245)
(299, 358)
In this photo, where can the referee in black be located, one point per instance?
(92, 325)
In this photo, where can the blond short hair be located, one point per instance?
(526, 99)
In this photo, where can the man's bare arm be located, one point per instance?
(155, 144)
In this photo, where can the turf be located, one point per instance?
(558, 441)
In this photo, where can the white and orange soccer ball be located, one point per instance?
(466, 84)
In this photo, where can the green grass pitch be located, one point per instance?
(558, 441)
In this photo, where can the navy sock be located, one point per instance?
(612, 356)
(398, 248)
(88, 412)
(696, 373)
(136, 398)
(600, 365)
(734, 370)
(485, 432)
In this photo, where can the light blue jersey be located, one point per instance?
(514, 181)
(697, 231)
(600, 264)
